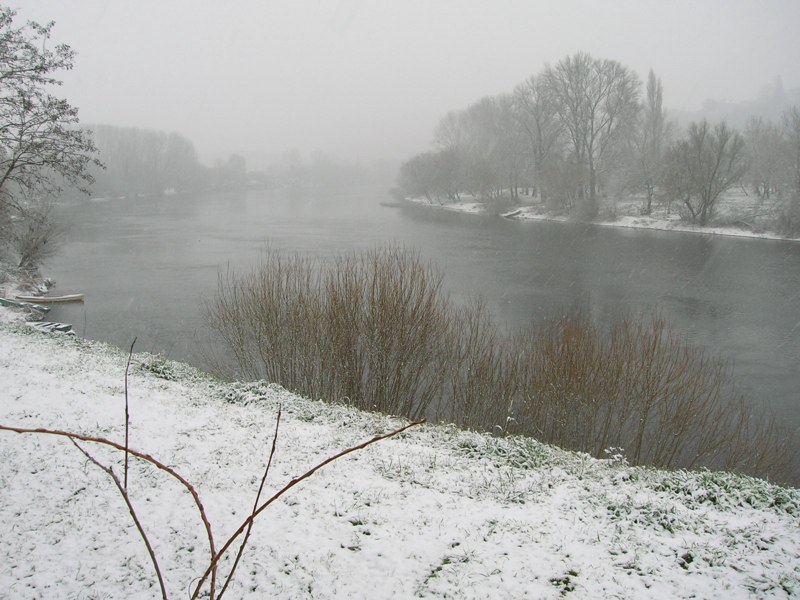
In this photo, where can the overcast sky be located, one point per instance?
(368, 80)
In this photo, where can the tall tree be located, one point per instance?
(509, 156)
(418, 176)
(536, 114)
(791, 209)
(650, 142)
(597, 103)
(487, 142)
(41, 147)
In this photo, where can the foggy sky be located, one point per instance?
(368, 80)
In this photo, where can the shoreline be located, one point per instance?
(669, 223)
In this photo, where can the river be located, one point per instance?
(148, 265)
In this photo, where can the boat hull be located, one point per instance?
(47, 299)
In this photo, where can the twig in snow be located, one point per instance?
(286, 488)
(147, 458)
(245, 526)
(124, 492)
(127, 414)
(255, 505)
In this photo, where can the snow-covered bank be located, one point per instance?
(13, 287)
(658, 221)
(433, 513)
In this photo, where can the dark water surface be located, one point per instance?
(147, 265)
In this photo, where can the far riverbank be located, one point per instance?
(627, 217)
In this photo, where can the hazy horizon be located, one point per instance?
(368, 81)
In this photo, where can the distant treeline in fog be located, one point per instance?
(581, 133)
(145, 162)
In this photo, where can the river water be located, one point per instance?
(147, 265)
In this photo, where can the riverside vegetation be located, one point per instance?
(376, 331)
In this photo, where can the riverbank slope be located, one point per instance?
(434, 512)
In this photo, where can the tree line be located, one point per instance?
(582, 131)
(146, 162)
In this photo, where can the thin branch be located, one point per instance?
(142, 456)
(215, 556)
(286, 488)
(127, 414)
(124, 492)
(255, 506)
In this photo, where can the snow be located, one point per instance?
(660, 220)
(434, 512)
(10, 290)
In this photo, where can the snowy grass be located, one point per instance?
(437, 512)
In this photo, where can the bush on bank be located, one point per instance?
(375, 330)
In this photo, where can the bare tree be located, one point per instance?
(766, 154)
(41, 147)
(679, 172)
(791, 209)
(487, 145)
(450, 132)
(650, 142)
(706, 164)
(510, 151)
(436, 175)
(597, 103)
(36, 236)
(536, 115)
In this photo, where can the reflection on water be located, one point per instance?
(147, 265)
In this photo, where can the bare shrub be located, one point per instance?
(483, 374)
(35, 236)
(643, 388)
(375, 331)
(365, 329)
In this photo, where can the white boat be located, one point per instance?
(44, 299)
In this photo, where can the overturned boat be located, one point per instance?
(51, 327)
(23, 305)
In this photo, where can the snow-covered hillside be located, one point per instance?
(434, 512)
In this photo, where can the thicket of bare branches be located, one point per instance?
(639, 386)
(707, 163)
(368, 330)
(375, 331)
